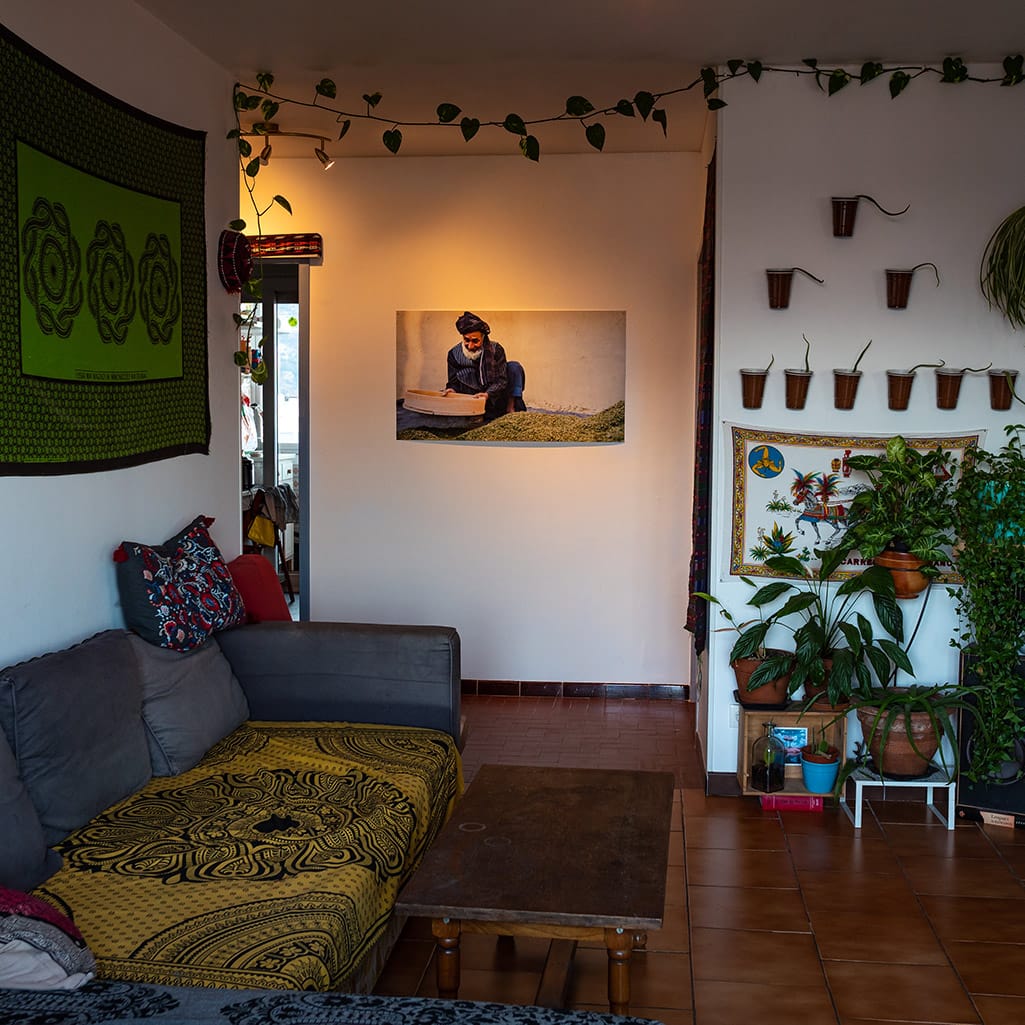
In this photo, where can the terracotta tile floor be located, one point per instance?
(775, 918)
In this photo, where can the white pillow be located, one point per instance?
(40, 948)
(23, 966)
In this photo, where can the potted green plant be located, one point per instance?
(1002, 274)
(904, 727)
(989, 507)
(834, 645)
(904, 520)
(820, 764)
(761, 669)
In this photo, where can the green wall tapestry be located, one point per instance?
(103, 360)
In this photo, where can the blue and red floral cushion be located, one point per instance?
(177, 594)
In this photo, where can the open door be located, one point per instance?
(274, 419)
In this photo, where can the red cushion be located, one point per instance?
(256, 579)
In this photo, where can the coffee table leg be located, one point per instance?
(619, 944)
(446, 957)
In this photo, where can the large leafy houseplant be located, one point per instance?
(907, 508)
(834, 644)
(989, 504)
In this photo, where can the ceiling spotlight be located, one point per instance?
(265, 153)
(325, 160)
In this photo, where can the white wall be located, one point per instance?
(554, 563)
(954, 154)
(59, 532)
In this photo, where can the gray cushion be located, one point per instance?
(25, 860)
(190, 700)
(74, 722)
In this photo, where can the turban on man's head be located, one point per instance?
(471, 322)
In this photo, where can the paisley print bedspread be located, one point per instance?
(274, 863)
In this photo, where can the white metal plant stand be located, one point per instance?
(938, 779)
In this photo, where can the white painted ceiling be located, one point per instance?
(495, 56)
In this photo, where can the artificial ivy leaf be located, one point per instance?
(710, 81)
(264, 79)
(734, 65)
(870, 70)
(954, 70)
(241, 100)
(269, 108)
(252, 102)
(234, 133)
(237, 225)
(812, 62)
(754, 69)
(237, 317)
(514, 123)
(715, 104)
(658, 115)
(281, 201)
(448, 112)
(373, 99)
(644, 102)
(260, 374)
(838, 80)
(253, 167)
(578, 106)
(530, 148)
(243, 147)
(240, 358)
(595, 135)
(392, 140)
(899, 81)
(1013, 72)
(325, 87)
(346, 125)
(625, 107)
(469, 126)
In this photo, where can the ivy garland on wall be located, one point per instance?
(249, 99)
(952, 71)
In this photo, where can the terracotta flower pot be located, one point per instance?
(771, 695)
(898, 388)
(900, 759)
(752, 387)
(845, 388)
(905, 568)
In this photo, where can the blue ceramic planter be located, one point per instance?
(819, 778)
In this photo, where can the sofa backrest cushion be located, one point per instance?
(190, 700)
(25, 860)
(257, 580)
(176, 594)
(73, 719)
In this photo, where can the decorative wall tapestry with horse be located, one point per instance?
(791, 492)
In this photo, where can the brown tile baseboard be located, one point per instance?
(568, 689)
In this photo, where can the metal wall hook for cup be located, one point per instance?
(888, 213)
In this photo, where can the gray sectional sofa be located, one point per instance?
(241, 815)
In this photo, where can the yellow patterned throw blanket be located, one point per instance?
(243, 874)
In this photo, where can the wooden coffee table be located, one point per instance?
(566, 854)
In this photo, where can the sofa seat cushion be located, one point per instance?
(274, 863)
(74, 722)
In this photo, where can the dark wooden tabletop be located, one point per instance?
(580, 847)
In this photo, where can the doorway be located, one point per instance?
(274, 417)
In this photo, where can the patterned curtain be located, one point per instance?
(697, 610)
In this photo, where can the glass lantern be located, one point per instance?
(768, 762)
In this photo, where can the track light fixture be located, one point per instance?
(265, 129)
(325, 161)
